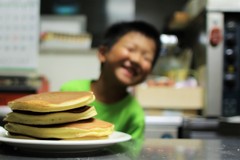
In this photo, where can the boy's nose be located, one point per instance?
(135, 57)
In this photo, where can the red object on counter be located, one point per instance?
(5, 97)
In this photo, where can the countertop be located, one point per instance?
(221, 148)
(149, 149)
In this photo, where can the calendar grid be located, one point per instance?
(19, 34)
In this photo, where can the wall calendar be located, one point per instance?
(19, 34)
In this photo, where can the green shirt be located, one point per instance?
(127, 115)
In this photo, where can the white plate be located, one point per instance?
(66, 145)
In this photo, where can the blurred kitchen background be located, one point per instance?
(194, 89)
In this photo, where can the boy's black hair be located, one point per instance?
(116, 31)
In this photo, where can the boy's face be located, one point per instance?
(129, 61)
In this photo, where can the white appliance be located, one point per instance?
(162, 126)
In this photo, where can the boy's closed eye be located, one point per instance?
(147, 56)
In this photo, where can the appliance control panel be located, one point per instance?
(231, 65)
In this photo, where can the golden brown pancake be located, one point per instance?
(85, 128)
(33, 118)
(56, 116)
(52, 101)
(19, 136)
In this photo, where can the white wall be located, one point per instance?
(61, 66)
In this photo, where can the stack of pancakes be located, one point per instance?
(56, 115)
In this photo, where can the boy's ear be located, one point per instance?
(102, 53)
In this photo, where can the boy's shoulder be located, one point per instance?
(76, 85)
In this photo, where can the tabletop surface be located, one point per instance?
(149, 149)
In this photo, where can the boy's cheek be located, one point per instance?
(147, 67)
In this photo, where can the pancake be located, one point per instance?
(52, 101)
(33, 118)
(19, 136)
(85, 128)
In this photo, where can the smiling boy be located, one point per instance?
(127, 55)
